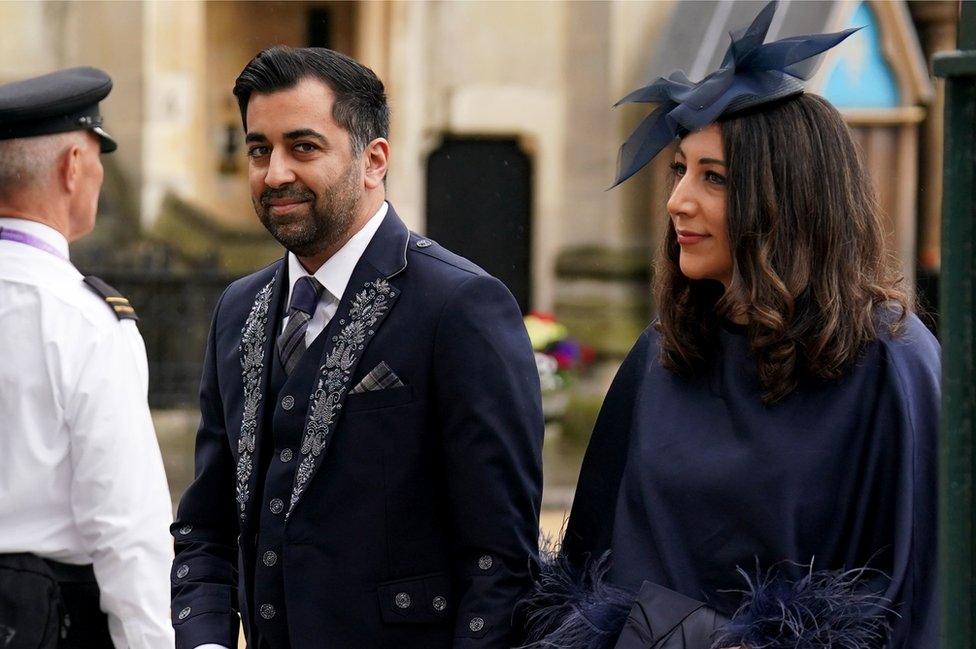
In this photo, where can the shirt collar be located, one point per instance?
(45, 233)
(334, 274)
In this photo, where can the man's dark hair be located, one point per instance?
(360, 101)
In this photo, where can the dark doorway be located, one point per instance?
(320, 28)
(331, 25)
(479, 206)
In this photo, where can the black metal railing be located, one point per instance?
(175, 309)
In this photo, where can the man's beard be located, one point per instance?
(322, 222)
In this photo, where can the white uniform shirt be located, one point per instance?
(81, 476)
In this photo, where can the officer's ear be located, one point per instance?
(70, 167)
(375, 158)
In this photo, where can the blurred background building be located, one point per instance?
(503, 145)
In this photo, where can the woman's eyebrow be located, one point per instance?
(703, 161)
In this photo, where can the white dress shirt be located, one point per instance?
(81, 476)
(334, 275)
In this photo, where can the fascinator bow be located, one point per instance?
(752, 73)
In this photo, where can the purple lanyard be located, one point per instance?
(10, 234)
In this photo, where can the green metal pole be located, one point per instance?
(957, 498)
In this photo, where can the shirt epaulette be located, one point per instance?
(119, 304)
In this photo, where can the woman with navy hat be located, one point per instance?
(762, 473)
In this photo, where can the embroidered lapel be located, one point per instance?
(359, 318)
(368, 299)
(255, 371)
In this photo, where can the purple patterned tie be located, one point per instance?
(304, 298)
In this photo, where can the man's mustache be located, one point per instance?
(288, 193)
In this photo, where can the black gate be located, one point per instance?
(174, 310)
(479, 206)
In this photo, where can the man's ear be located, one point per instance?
(69, 168)
(375, 159)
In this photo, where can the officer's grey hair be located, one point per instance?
(29, 162)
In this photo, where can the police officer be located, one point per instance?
(84, 506)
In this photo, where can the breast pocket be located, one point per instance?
(376, 399)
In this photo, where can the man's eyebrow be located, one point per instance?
(305, 132)
(255, 136)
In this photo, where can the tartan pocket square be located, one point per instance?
(380, 377)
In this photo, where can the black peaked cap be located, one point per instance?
(62, 101)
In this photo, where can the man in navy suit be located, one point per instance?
(368, 463)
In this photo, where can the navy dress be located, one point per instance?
(841, 474)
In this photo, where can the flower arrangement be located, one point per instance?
(558, 356)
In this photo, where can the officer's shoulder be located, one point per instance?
(113, 300)
(69, 299)
(429, 254)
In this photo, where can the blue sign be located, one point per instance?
(860, 76)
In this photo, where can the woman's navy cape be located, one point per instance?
(827, 498)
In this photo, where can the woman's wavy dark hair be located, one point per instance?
(809, 268)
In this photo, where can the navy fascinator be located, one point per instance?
(752, 73)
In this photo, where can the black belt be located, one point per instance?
(67, 573)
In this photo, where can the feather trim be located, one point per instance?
(571, 607)
(822, 610)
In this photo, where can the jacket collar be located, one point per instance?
(387, 252)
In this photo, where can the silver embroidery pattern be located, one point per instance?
(368, 307)
(254, 338)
